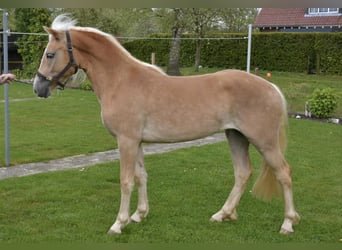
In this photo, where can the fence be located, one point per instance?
(291, 52)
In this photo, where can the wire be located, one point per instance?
(144, 38)
(184, 38)
(25, 42)
(23, 33)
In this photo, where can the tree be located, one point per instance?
(137, 22)
(31, 47)
(236, 20)
(177, 29)
(200, 21)
(10, 20)
(102, 19)
(123, 22)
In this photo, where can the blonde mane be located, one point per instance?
(64, 22)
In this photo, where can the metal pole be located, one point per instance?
(249, 49)
(5, 44)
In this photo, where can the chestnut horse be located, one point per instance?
(140, 103)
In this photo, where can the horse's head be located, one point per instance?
(57, 64)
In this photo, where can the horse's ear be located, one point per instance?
(52, 32)
(46, 29)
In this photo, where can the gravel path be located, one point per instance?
(80, 161)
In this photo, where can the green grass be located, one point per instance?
(185, 188)
(69, 123)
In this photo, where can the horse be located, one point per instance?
(140, 103)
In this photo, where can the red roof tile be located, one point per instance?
(293, 17)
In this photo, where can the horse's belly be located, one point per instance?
(183, 130)
(174, 137)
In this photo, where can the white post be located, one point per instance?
(153, 58)
(249, 49)
(5, 44)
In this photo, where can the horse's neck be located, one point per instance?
(104, 62)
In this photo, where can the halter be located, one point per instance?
(70, 64)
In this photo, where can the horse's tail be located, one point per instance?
(267, 186)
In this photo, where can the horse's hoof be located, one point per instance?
(136, 218)
(286, 227)
(114, 231)
(216, 218)
(285, 231)
(139, 215)
(221, 216)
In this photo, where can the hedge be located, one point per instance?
(292, 52)
(329, 52)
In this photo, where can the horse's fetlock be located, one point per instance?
(230, 215)
(294, 217)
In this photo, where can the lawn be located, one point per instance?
(185, 188)
(67, 124)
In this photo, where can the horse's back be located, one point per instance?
(235, 90)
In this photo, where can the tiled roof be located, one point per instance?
(294, 17)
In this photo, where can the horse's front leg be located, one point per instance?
(128, 157)
(141, 181)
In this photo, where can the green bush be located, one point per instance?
(323, 102)
(31, 20)
(86, 85)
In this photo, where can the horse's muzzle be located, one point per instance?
(41, 87)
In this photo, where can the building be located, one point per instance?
(299, 20)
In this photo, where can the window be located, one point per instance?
(322, 11)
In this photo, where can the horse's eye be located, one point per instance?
(50, 55)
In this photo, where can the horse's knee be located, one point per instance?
(140, 176)
(242, 176)
(127, 186)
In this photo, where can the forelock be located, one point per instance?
(63, 22)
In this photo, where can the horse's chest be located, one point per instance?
(120, 121)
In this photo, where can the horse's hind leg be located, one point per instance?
(275, 159)
(141, 181)
(242, 170)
